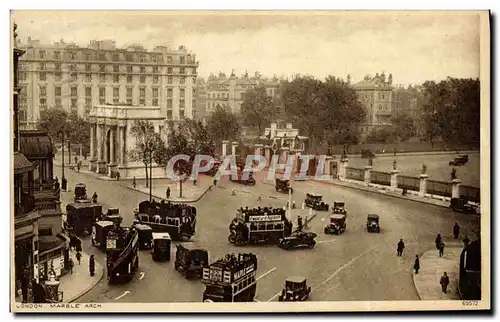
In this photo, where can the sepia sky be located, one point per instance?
(414, 47)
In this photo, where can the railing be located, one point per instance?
(26, 205)
(439, 188)
(470, 193)
(409, 183)
(355, 174)
(382, 178)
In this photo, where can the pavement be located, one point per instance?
(355, 265)
(80, 282)
(190, 192)
(432, 268)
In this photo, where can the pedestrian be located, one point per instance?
(416, 265)
(194, 182)
(92, 265)
(259, 199)
(78, 257)
(94, 197)
(70, 265)
(401, 247)
(444, 281)
(133, 182)
(293, 204)
(78, 166)
(299, 223)
(168, 192)
(456, 230)
(438, 240)
(306, 221)
(215, 182)
(117, 175)
(39, 295)
(76, 160)
(441, 249)
(233, 193)
(466, 241)
(24, 287)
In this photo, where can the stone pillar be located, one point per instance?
(123, 146)
(328, 162)
(267, 154)
(92, 141)
(112, 159)
(455, 188)
(394, 180)
(258, 149)
(284, 154)
(423, 185)
(343, 164)
(368, 170)
(224, 147)
(99, 148)
(234, 144)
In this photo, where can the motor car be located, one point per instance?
(315, 201)
(283, 186)
(190, 261)
(80, 192)
(337, 224)
(296, 289)
(298, 239)
(462, 205)
(339, 208)
(459, 160)
(373, 223)
(161, 247)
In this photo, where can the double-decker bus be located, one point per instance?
(122, 259)
(232, 279)
(259, 225)
(178, 220)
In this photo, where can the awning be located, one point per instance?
(35, 144)
(21, 163)
(46, 243)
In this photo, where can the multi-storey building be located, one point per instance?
(409, 101)
(228, 92)
(376, 95)
(76, 78)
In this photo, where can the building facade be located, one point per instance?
(64, 75)
(229, 92)
(410, 100)
(376, 95)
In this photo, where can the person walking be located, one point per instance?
(401, 247)
(78, 166)
(416, 265)
(441, 249)
(233, 193)
(444, 281)
(456, 230)
(466, 241)
(299, 223)
(117, 175)
(168, 193)
(78, 257)
(438, 241)
(70, 265)
(215, 182)
(94, 197)
(92, 265)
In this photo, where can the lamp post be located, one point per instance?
(63, 179)
(150, 176)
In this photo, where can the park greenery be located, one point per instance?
(222, 125)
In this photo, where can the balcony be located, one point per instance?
(46, 197)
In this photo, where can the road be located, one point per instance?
(353, 266)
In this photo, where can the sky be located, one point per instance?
(413, 46)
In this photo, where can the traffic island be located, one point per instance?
(432, 268)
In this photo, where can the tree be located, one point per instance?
(147, 144)
(80, 131)
(383, 135)
(54, 121)
(453, 111)
(222, 124)
(403, 126)
(198, 136)
(258, 109)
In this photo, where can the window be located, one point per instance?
(156, 70)
(129, 92)
(116, 69)
(102, 68)
(155, 102)
(43, 103)
(182, 103)
(181, 114)
(88, 102)
(88, 77)
(169, 59)
(42, 66)
(183, 80)
(182, 70)
(57, 67)
(57, 91)
(169, 114)
(170, 70)
(182, 60)
(87, 57)
(102, 78)
(129, 57)
(155, 79)
(57, 54)
(74, 103)
(129, 69)
(143, 69)
(116, 78)
(116, 92)
(142, 92)
(142, 79)
(58, 77)
(74, 91)
(88, 91)
(170, 79)
(22, 76)
(142, 58)
(43, 91)
(41, 53)
(72, 56)
(42, 76)
(129, 79)
(116, 57)
(102, 91)
(102, 57)
(57, 102)
(142, 101)
(169, 103)
(155, 92)
(182, 92)
(129, 101)
(72, 67)
(170, 92)
(102, 100)
(73, 77)
(154, 59)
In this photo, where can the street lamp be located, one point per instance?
(150, 176)
(64, 182)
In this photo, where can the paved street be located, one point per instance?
(353, 266)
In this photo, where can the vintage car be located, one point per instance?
(81, 193)
(339, 208)
(145, 235)
(161, 247)
(463, 205)
(296, 289)
(372, 223)
(459, 160)
(81, 216)
(190, 261)
(337, 224)
(283, 186)
(296, 240)
(315, 202)
(113, 214)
